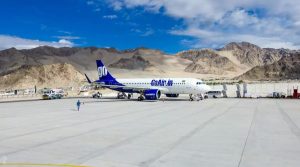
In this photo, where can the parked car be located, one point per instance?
(56, 96)
(46, 97)
(51, 96)
(277, 95)
(213, 94)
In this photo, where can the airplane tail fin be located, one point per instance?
(103, 73)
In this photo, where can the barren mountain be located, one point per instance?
(54, 75)
(82, 59)
(288, 67)
(207, 61)
(252, 55)
(133, 63)
(228, 62)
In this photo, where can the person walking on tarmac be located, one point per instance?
(78, 105)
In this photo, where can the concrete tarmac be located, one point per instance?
(173, 133)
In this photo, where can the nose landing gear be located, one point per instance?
(122, 95)
(129, 95)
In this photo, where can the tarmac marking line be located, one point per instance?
(90, 131)
(289, 121)
(187, 136)
(41, 165)
(73, 124)
(248, 134)
(130, 139)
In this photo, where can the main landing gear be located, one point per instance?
(123, 95)
(141, 97)
(196, 97)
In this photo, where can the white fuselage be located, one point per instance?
(168, 85)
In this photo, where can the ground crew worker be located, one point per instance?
(78, 105)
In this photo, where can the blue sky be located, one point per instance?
(168, 25)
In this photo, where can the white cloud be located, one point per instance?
(213, 9)
(144, 33)
(136, 30)
(218, 39)
(238, 18)
(90, 2)
(116, 5)
(110, 17)
(67, 37)
(148, 32)
(214, 22)
(7, 41)
(65, 42)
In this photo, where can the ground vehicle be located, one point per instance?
(45, 97)
(56, 96)
(277, 95)
(97, 95)
(51, 95)
(214, 94)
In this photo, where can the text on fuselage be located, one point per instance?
(161, 82)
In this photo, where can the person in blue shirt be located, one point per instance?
(78, 105)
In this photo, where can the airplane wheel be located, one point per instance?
(140, 98)
(129, 96)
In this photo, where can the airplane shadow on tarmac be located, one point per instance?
(113, 100)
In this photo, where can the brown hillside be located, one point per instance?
(287, 67)
(54, 75)
(207, 61)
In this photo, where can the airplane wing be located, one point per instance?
(88, 79)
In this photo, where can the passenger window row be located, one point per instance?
(149, 83)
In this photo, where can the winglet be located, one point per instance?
(88, 79)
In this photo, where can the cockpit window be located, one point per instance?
(198, 83)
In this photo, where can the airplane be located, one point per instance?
(150, 88)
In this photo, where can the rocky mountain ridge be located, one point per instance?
(207, 61)
(288, 67)
(231, 61)
(54, 75)
(252, 55)
(136, 62)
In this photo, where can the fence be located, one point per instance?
(262, 89)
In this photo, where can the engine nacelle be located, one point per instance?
(152, 94)
(172, 95)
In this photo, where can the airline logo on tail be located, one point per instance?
(102, 71)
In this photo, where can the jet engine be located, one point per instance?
(152, 94)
